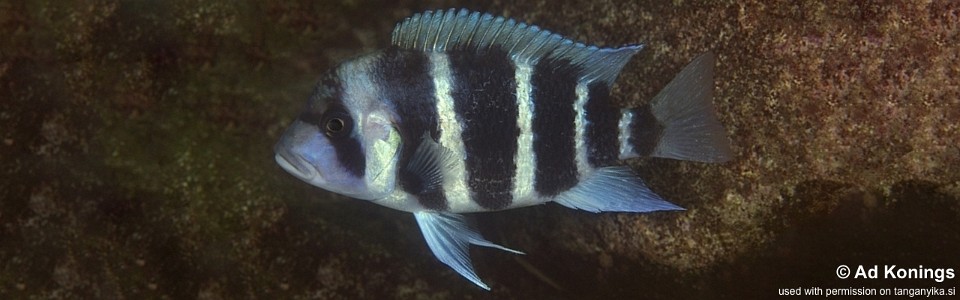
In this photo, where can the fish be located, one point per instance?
(467, 112)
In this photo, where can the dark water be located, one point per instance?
(136, 155)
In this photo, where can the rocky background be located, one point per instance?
(136, 155)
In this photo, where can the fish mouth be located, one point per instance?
(295, 165)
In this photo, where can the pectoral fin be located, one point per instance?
(449, 237)
(425, 171)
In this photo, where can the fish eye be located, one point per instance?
(336, 124)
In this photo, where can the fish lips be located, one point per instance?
(296, 165)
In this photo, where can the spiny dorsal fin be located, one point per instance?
(463, 30)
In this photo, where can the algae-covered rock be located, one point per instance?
(136, 157)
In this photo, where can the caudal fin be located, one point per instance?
(680, 122)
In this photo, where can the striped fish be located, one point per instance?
(468, 112)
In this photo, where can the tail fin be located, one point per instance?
(680, 122)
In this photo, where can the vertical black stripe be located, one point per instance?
(484, 99)
(347, 147)
(324, 102)
(645, 131)
(554, 141)
(350, 155)
(405, 82)
(602, 123)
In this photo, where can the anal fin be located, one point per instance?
(615, 189)
(449, 237)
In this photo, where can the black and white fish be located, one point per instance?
(468, 112)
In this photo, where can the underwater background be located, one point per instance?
(136, 154)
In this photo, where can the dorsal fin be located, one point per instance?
(463, 30)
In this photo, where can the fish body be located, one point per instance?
(468, 112)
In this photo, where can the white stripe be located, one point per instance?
(580, 124)
(525, 159)
(626, 149)
(455, 180)
(361, 91)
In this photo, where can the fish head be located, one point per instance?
(343, 141)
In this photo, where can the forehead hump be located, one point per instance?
(352, 85)
(326, 91)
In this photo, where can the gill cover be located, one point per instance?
(339, 144)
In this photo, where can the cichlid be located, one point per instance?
(467, 112)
